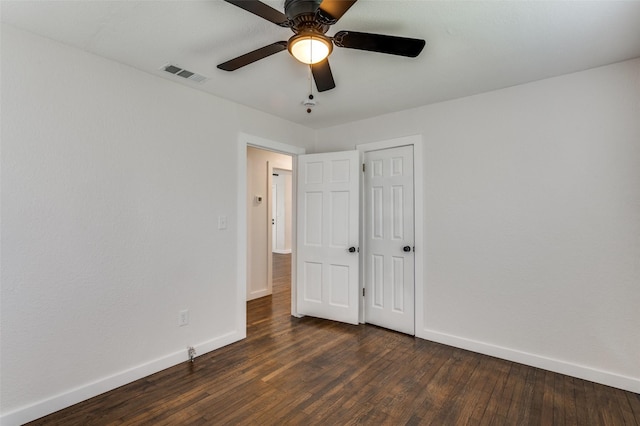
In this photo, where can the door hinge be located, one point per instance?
(363, 167)
(362, 291)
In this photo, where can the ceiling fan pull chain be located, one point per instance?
(310, 102)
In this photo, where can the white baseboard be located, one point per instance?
(630, 384)
(276, 251)
(258, 294)
(58, 402)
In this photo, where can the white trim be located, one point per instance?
(241, 251)
(269, 228)
(418, 191)
(580, 371)
(277, 251)
(258, 294)
(245, 140)
(271, 145)
(294, 236)
(418, 229)
(361, 233)
(390, 143)
(50, 405)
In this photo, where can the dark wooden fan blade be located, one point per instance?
(323, 76)
(392, 45)
(251, 57)
(334, 9)
(262, 10)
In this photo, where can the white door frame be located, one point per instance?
(245, 140)
(418, 214)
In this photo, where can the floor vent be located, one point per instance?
(181, 72)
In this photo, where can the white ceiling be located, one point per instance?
(472, 47)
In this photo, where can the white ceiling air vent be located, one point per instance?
(181, 72)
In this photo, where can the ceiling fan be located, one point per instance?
(310, 20)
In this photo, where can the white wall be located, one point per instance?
(112, 182)
(112, 185)
(532, 220)
(259, 217)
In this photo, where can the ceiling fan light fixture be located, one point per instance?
(310, 48)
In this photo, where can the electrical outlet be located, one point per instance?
(183, 317)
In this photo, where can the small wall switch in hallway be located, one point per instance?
(222, 222)
(183, 317)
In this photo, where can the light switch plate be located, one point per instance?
(222, 222)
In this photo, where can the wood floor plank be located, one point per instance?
(558, 400)
(547, 399)
(519, 403)
(464, 403)
(307, 371)
(504, 392)
(570, 414)
(625, 409)
(594, 406)
(488, 401)
(634, 402)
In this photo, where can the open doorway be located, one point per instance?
(269, 226)
(297, 279)
(282, 211)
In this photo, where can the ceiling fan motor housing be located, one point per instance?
(305, 16)
(294, 8)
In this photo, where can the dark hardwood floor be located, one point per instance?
(309, 371)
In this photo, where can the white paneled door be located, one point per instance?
(327, 252)
(389, 239)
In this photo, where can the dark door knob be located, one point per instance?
(406, 249)
(352, 249)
